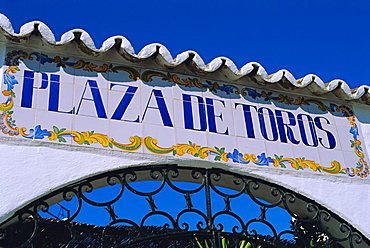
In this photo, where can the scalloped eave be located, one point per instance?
(254, 69)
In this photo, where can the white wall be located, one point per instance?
(30, 169)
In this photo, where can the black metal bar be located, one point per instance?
(31, 227)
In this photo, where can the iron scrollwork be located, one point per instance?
(310, 224)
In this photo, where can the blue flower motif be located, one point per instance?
(237, 157)
(253, 93)
(354, 131)
(206, 84)
(43, 58)
(332, 107)
(233, 156)
(38, 133)
(349, 172)
(228, 89)
(263, 160)
(10, 81)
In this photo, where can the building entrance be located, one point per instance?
(172, 206)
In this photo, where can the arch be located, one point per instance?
(310, 222)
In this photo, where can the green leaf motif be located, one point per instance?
(56, 129)
(278, 158)
(220, 150)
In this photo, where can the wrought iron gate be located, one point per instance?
(217, 209)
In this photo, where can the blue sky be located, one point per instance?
(328, 38)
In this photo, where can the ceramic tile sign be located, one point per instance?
(86, 103)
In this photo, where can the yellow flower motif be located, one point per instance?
(12, 69)
(181, 149)
(308, 164)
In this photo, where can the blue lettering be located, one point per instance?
(188, 113)
(96, 98)
(272, 124)
(212, 117)
(161, 106)
(303, 132)
(285, 131)
(54, 95)
(261, 117)
(28, 86)
(248, 119)
(329, 135)
(123, 104)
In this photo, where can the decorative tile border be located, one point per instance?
(8, 125)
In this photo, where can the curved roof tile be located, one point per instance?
(346, 93)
